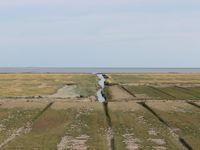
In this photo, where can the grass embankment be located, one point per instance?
(45, 84)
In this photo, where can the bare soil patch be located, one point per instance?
(157, 141)
(198, 103)
(153, 131)
(77, 143)
(131, 142)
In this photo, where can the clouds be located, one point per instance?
(137, 32)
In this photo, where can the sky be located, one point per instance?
(100, 33)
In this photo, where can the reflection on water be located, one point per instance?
(100, 96)
(102, 80)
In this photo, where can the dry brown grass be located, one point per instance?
(45, 84)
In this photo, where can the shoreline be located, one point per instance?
(61, 70)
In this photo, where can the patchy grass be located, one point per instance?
(185, 119)
(45, 134)
(138, 123)
(12, 119)
(160, 86)
(117, 93)
(148, 92)
(89, 124)
(45, 84)
(93, 124)
(194, 90)
(57, 122)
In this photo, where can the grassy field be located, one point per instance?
(135, 126)
(148, 92)
(169, 78)
(148, 111)
(182, 117)
(45, 84)
(90, 125)
(179, 93)
(157, 86)
(64, 119)
(87, 125)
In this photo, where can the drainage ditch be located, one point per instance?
(40, 113)
(100, 95)
(125, 89)
(153, 112)
(194, 104)
(188, 91)
(101, 98)
(179, 139)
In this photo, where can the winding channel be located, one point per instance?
(102, 99)
(100, 96)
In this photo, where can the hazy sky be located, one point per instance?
(100, 33)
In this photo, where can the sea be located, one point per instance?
(95, 70)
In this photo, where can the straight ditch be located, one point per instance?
(127, 91)
(181, 141)
(188, 91)
(41, 112)
(194, 104)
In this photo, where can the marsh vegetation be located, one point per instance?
(141, 111)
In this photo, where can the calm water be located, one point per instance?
(102, 80)
(99, 70)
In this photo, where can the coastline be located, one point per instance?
(95, 70)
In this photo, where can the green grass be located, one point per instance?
(107, 93)
(178, 93)
(46, 133)
(93, 124)
(129, 78)
(160, 86)
(165, 78)
(188, 123)
(12, 119)
(128, 122)
(194, 90)
(52, 125)
(150, 92)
